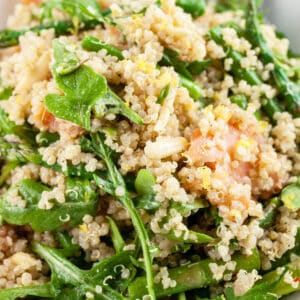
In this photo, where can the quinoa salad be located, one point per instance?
(149, 149)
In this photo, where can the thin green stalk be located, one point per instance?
(193, 276)
(117, 181)
(10, 38)
(287, 87)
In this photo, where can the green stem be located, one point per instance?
(288, 88)
(10, 38)
(282, 287)
(43, 290)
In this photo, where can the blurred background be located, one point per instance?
(285, 14)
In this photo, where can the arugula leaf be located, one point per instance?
(83, 90)
(66, 59)
(24, 132)
(81, 10)
(68, 248)
(81, 199)
(194, 7)
(86, 281)
(70, 282)
(6, 169)
(116, 236)
(112, 103)
(44, 139)
(5, 92)
(31, 190)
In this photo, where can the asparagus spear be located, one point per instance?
(10, 38)
(91, 43)
(277, 284)
(193, 276)
(270, 106)
(288, 88)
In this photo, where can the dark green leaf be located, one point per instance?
(112, 103)
(194, 7)
(81, 199)
(82, 89)
(116, 236)
(31, 191)
(163, 94)
(44, 139)
(68, 248)
(82, 10)
(24, 132)
(5, 92)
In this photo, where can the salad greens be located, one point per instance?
(193, 276)
(186, 72)
(64, 274)
(194, 7)
(91, 43)
(288, 89)
(83, 89)
(118, 188)
(81, 199)
(78, 10)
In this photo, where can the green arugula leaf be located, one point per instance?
(81, 199)
(83, 90)
(44, 139)
(66, 59)
(87, 280)
(24, 132)
(116, 236)
(82, 87)
(112, 103)
(5, 92)
(82, 10)
(68, 248)
(194, 7)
